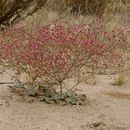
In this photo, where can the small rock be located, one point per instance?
(96, 124)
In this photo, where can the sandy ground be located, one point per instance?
(109, 109)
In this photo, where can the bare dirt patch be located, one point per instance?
(103, 113)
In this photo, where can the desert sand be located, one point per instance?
(108, 108)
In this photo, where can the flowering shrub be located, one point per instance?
(54, 54)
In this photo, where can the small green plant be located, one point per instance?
(49, 94)
(69, 98)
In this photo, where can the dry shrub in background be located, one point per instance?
(80, 6)
(53, 54)
(12, 11)
(90, 7)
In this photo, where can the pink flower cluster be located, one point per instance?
(54, 53)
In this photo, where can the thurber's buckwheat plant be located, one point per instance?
(53, 54)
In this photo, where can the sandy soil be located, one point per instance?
(108, 109)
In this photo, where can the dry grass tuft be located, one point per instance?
(119, 79)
